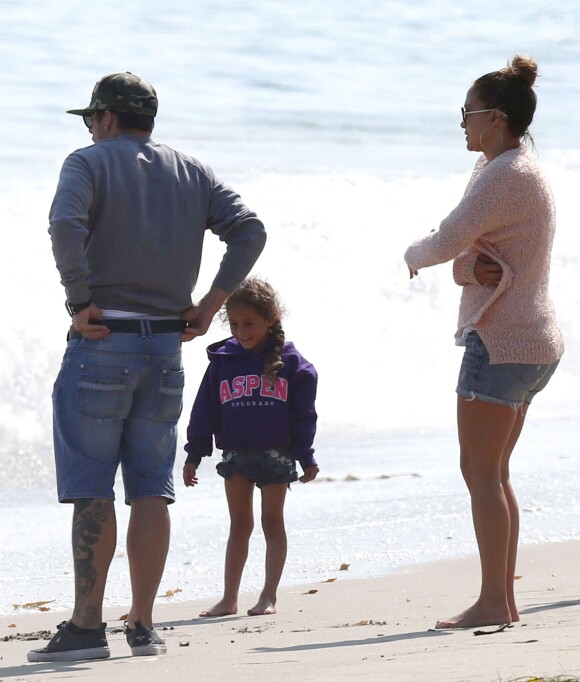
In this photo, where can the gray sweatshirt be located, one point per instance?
(127, 225)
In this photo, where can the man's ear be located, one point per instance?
(110, 121)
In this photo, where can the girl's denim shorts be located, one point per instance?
(262, 467)
(504, 384)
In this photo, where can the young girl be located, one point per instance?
(257, 400)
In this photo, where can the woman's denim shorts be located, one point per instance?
(262, 467)
(504, 384)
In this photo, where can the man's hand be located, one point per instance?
(82, 323)
(200, 316)
(310, 473)
(198, 322)
(189, 477)
(487, 272)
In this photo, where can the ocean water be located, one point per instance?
(339, 125)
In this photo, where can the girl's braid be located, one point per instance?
(274, 362)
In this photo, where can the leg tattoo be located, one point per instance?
(86, 532)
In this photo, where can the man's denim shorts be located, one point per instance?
(262, 467)
(504, 384)
(116, 402)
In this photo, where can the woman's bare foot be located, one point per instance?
(222, 608)
(265, 607)
(514, 611)
(477, 616)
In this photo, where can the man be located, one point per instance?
(127, 225)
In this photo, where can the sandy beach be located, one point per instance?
(371, 629)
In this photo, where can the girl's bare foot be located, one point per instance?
(477, 616)
(222, 608)
(264, 607)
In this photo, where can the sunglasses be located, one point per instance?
(465, 114)
(88, 120)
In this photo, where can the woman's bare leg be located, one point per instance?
(486, 432)
(273, 497)
(514, 511)
(239, 493)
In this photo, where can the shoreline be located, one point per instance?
(367, 628)
(403, 503)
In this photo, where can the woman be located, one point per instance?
(500, 237)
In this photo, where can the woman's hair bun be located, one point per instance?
(524, 68)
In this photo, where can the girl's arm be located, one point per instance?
(302, 413)
(203, 421)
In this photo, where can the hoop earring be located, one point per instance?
(491, 148)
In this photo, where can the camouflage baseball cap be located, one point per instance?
(122, 92)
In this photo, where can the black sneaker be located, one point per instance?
(143, 641)
(72, 643)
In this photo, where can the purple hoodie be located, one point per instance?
(243, 411)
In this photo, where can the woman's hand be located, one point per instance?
(487, 272)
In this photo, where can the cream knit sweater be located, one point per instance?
(508, 213)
